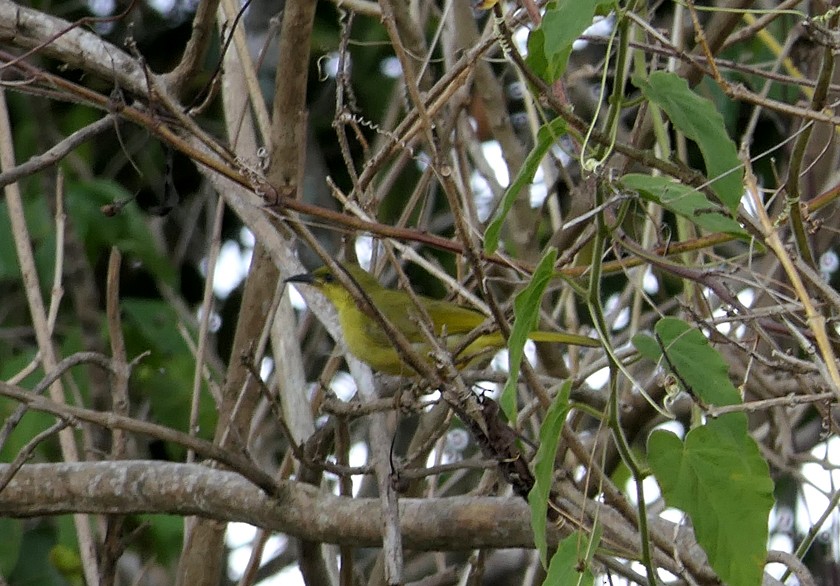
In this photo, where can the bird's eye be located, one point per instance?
(329, 278)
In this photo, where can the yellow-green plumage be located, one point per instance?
(369, 342)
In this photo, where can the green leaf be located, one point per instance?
(526, 311)
(152, 325)
(717, 475)
(550, 46)
(34, 566)
(684, 201)
(12, 534)
(566, 562)
(695, 361)
(698, 119)
(547, 135)
(550, 430)
(536, 57)
(40, 223)
(720, 479)
(164, 536)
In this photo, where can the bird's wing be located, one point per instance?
(404, 315)
(451, 317)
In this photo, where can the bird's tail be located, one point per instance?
(563, 338)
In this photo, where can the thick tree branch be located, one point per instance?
(300, 510)
(77, 47)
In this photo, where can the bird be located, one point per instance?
(368, 341)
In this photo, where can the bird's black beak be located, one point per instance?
(306, 278)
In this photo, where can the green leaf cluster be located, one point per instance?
(716, 474)
(699, 120)
(684, 201)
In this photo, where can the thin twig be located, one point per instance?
(215, 245)
(206, 449)
(119, 366)
(57, 152)
(26, 451)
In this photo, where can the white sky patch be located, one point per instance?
(102, 7)
(390, 67)
(493, 153)
(611, 304)
(246, 237)
(213, 323)
(239, 537)
(364, 250)
(622, 319)
(500, 361)
(358, 456)
(520, 39)
(343, 386)
(481, 191)
(328, 65)
(651, 489)
(601, 27)
(749, 204)
(290, 576)
(599, 378)
(295, 297)
(539, 190)
(650, 283)
(813, 501)
(672, 515)
(231, 268)
(266, 366)
(829, 263)
(164, 7)
(746, 297)
(784, 543)
(562, 150)
(672, 426)
(239, 534)
(482, 195)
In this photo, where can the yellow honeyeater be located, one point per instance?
(368, 341)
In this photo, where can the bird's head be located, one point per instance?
(327, 283)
